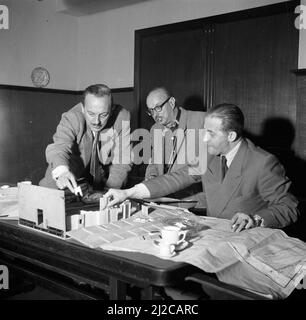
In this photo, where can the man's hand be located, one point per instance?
(242, 221)
(115, 196)
(66, 179)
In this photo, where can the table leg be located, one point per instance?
(147, 293)
(117, 289)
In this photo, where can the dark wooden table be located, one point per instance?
(55, 260)
(69, 268)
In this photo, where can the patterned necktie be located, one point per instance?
(224, 167)
(95, 168)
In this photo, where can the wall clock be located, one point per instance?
(40, 77)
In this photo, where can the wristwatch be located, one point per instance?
(259, 221)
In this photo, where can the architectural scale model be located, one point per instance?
(43, 209)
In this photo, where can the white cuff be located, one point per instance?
(58, 171)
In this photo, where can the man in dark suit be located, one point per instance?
(92, 141)
(175, 137)
(249, 187)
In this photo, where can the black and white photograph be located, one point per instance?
(153, 154)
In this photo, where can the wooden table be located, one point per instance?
(56, 261)
(60, 265)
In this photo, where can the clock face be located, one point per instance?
(40, 77)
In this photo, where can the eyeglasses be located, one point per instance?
(157, 109)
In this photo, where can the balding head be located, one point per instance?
(161, 105)
(159, 93)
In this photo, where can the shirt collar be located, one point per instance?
(231, 154)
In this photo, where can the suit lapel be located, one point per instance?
(220, 193)
(212, 179)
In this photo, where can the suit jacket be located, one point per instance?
(186, 145)
(255, 183)
(73, 143)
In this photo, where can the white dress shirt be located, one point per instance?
(231, 154)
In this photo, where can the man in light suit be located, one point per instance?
(71, 155)
(179, 130)
(253, 192)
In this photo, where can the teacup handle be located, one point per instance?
(172, 248)
(182, 235)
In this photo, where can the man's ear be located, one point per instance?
(232, 136)
(172, 102)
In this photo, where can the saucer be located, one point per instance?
(157, 242)
(181, 246)
(178, 247)
(172, 255)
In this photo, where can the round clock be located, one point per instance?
(40, 77)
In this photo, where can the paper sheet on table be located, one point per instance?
(261, 260)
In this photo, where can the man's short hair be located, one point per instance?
(98, 90)
(231, 116)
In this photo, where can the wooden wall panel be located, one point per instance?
(28, 121)
(253, 60)
(125, 97)
(301, 112)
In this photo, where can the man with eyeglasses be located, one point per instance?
(92, 141)
(175, 124)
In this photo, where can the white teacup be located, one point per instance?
(173, 235)
(166, 249)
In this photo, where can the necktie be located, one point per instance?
(224, 167)
(173, 154)
(168, 165)
(164, 155)
(95, 168)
